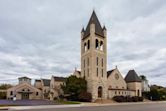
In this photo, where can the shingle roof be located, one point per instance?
(132, 77)
(46, 82)
(59, 78)
(109, 72)
(98, 28)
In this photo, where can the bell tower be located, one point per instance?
(94, 57)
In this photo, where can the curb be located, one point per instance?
(70, 106)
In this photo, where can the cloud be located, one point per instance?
(41, 38)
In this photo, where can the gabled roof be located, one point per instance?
(98, 28)
(109, 72)
(46, 82)
(59, 78)
(22, 86)
(78, 71)
(24, 77)
(132, 77)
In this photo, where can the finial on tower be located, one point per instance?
(83, 30)
(75, 68)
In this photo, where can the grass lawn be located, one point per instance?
(67, 102)
(7, 105)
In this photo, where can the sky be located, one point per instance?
(41, 38)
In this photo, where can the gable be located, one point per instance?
(116, 80)
(19, 87)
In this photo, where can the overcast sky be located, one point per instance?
(40, 38)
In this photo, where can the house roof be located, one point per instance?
(37, 80)
(132, 77)
(46, 82)
(98, 28)
(59, 78)
(109, 72)
(24, 77)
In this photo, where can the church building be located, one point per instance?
(101, 82)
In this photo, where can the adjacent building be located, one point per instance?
(24, 90)
(55, 87)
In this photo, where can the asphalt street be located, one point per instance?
(121, 107)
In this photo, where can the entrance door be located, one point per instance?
(25, 95)
(138, 93)
(100, 92)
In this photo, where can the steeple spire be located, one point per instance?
(98, 28)
(83, 30)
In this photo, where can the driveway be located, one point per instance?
(27, 102)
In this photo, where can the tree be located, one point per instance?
(143, 77)
(74, 86)
(5, 86)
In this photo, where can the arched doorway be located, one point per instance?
(100, 92)
(138, 93)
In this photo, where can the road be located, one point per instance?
(121, 107)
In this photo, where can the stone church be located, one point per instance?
(101, 82)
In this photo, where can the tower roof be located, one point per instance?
(98, 28)
(46, 82)
(132, 77)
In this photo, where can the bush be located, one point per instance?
(135, 99)
(127, 99)
(85, 97)
(2, 95)
(119, 98)
(140, 99)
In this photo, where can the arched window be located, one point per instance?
(88, 72)
(88, 44)
(97, 44)
(84, 63)
(97, 61)
(102, 72)
(100, 91)
(85, 47)
(138, 93)
(88, 61)
(37, 93)
(11, 93)
(101, 45)
(102, 62)
(97, 72)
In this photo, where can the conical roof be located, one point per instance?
(98, 28)
(132, 77)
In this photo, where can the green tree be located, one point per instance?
(5, 86)
(143, 77)
(74, 86)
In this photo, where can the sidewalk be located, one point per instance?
(78, 105)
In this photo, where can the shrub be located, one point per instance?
(134, 99)
(127, 99)
(85, 97)
(140, 99)
(119, 98)
(2, 95)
